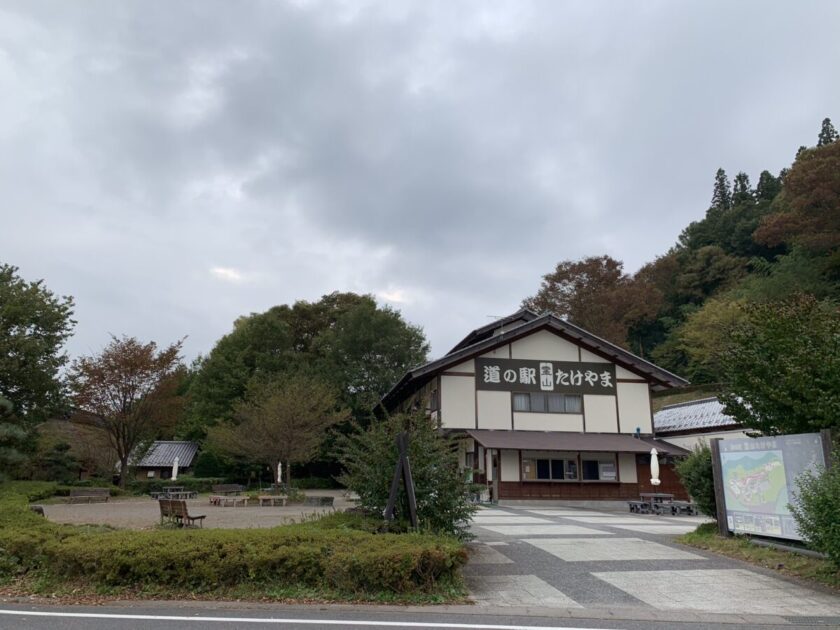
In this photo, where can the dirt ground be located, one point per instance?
(144, 513)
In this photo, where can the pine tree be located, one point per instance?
(768, 186)
(741, 192)
(828, 133)
(721, 198)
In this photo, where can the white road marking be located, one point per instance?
(313, 622)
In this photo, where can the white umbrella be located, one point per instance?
(175, 469)
(654, 468)
(279, 473)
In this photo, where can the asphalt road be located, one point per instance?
(152, 616)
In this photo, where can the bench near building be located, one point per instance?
(546, 410)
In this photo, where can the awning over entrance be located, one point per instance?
(560, 441)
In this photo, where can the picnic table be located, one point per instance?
(651, 502)
(174, 492)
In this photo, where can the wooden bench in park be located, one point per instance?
(176, 511)
(271, 499)
(89, 495)
(221, 500)
(228, 488)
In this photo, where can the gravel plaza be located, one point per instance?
(144, 512)
(590, 559)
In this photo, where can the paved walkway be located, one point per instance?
(577, 559)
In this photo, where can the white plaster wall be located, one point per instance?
(587, 356)
(627, 468)
(502, 352)
(634, 407)
(524, 421)
(457, 402)
(509, 465)
(493, 409)
(691, 442)
(600, 414)
(466, 366)
(544, 345)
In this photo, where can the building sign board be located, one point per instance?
(564, 377)
(759, 481)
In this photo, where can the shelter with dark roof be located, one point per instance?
(158, 461)
(690, 424)
(545, 409)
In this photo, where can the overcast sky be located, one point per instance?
(173, 165)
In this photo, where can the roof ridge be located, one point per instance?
(689, 403)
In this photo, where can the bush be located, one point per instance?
(441, 491)
(338, 554)
(696, 474)
(816, 508)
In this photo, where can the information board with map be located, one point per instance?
(759, 480)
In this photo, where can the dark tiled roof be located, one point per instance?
(163, 454)
(559, 441)
(521, 324)
(703, 414)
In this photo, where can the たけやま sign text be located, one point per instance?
(565, 377)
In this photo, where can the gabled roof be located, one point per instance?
(500, 325)
(486, 341)
(162, 454)
(695, 415)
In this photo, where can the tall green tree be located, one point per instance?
(34, 326)
(768, 186)
(349, 342)
(721, 196)
(741, 191)
(828, 133)
(13, 441)
(782, 367)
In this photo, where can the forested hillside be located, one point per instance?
(756, 244)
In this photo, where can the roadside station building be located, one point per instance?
(546, 410)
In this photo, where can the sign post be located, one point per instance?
(402, 470)
(720, 505)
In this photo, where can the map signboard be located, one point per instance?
(759, 481)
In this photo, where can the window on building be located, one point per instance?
(538, 469)
(469, 459)
(599, 469)
(537, 402)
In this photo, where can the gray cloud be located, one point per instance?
(174, 165)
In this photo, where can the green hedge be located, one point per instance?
(193, 484)
(335, 554)
(316, 483)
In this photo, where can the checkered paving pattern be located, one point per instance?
(572, 558)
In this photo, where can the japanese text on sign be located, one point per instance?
(545, 376)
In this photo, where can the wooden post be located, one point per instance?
(402, 469)
(720, 500)
(825, 437)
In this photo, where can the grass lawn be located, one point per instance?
(788, 563)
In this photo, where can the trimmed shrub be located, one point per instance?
(816, 509)
(339, 553)
(696, 474)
